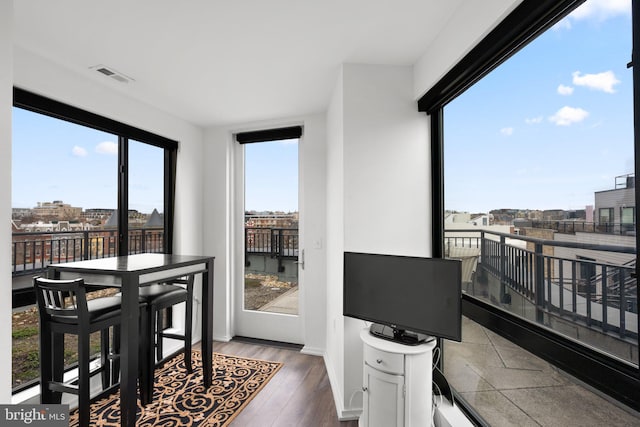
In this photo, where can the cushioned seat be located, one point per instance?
(98, 309)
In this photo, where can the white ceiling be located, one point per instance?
(214, 62)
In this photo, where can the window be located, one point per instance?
(84, 187)
(628, 215)
(606, 216)
(536, 73)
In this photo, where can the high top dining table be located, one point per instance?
(130, 273)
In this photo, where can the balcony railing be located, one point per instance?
(572, 227)
(599, 295)
(274, 242)
(31, 253)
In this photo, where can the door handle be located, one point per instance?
(301, 259)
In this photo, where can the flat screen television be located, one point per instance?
(409, 299)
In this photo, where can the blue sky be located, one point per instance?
(271, 176)
(56, 160)
(552, 125)
(543, 131)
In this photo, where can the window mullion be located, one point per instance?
(123, 195)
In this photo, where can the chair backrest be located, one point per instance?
(61, 298)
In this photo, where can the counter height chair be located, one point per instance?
(158, 297)
(64, 309)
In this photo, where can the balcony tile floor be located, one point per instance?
(509, 386)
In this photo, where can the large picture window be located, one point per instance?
(83, 187)
(518, 132)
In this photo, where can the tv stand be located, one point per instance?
(396, 383)
(401, 336)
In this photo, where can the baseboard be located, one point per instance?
(343, 414)
(222, 338)
(313, 351)
(448, 415)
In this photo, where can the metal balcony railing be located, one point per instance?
(32, 252)
(274, 242)
(600, 295)
(572, 227)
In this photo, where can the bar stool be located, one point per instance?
(158, 297)
(64, 309)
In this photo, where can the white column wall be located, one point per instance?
(312, 201)
(6, 96)
(217, 228)
(379, 165)
(334, 354)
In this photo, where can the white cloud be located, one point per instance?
(107, 147)
(604, 81)
(565, 90)
(78, 151)
(564, 24)
(596, 11)
(601, 10)
(506, 131)
(566, 116)
(533, 120)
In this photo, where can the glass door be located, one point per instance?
(267, 287)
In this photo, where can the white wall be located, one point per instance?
(6, 96)
(379, 166)
(312, 201)
(223, 236)
(476, 18)
(217, 227)
(334, 354)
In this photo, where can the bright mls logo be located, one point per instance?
(34, 415)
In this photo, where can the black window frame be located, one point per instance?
(531, 18)
(43, 105)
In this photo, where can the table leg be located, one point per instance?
(129, 343)
(207, 324)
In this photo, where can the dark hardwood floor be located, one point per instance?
(298, 395)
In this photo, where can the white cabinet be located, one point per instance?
(396, 384)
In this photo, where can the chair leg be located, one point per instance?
(105, 360)
(46, 364)
(115, 346)
(147, 361)
(188, 322)
(159, 327)
(57, 361)
(84, 399)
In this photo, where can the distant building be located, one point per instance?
(271, 220)
(467, 218)
(154, 220)
(97, 214)
(56, 209)
(615, 209)
(17, 213)
(48, 227)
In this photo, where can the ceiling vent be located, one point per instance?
(111, 73)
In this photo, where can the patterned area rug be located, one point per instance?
(180, 399)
